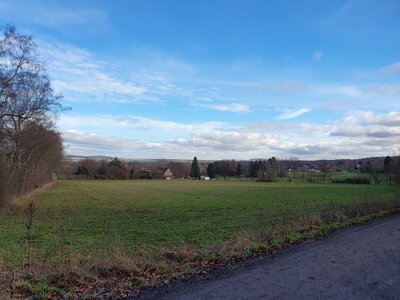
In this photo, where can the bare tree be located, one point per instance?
(40, 154)
(25, 91)
(294, 164)
(268, 170)
(325, 168)
(27, 102)
(180, 169)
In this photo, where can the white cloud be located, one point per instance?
(234, 107)
(366, 118)
(368, 128)
(357, 134)
(391, 119)
(348, 90)
(99, 122)
(318, 55)
(290, 114)
(228, 141)
(82, 143)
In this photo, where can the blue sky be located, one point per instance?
(221, 79)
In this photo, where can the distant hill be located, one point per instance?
(72, 157)
(95, 157)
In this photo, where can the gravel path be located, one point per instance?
(361, 262)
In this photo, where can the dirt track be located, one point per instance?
(361, 262)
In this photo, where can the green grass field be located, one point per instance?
(82, 220)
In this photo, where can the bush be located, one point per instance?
(355, 180)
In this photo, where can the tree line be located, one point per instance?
(30, 147)
(263, 170)
(376, 169)
(117, 168)
(92, 169)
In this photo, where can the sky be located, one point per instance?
(221, 79)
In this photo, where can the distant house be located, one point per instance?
(203, 177)
(305, 168)
(162, 173)
(144, 174)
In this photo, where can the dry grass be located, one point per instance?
(114, 271)
(18, 204)
(115, 263)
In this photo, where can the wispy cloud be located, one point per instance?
(234, 107)
(390, 69)
(287, 85)
(291, 114)
(318, 55)
(352, 91)
(389, 90)
(77, 70)
(83, 77)
(51, 14)
(57, 16)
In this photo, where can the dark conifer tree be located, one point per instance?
(195, 168)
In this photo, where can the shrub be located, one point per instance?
(2, 185)
(355, 180)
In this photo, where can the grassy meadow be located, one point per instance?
(145, 230)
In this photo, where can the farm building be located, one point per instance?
(162, 173)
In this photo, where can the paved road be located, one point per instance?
(362, 262)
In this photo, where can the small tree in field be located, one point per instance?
(293, 163)
(195, 168)
(388, 167)
(239, 169)
(325, 167)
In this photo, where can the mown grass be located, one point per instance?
(131, 228)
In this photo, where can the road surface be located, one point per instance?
(361, 262)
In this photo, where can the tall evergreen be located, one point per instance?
(211, 170)
(387, 164)
(195, 169)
